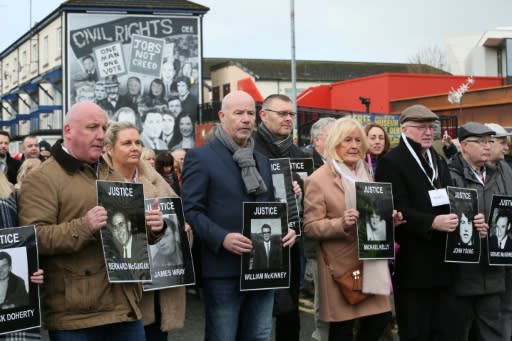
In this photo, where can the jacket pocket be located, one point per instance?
(88, 290)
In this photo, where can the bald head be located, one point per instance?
(235, 97)
(80, 110)
(84, 131)
(238, 116)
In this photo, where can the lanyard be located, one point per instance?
(415, 156)
(481, 179)
(369, 158)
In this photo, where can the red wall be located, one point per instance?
(383, 88)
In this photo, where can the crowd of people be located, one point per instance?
(432, 299)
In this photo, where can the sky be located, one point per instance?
(337, 30)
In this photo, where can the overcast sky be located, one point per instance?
(341, 30)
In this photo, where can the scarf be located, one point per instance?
(244, 157)
(376, 279)
(279, 148)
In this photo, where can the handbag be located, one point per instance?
(350, 283)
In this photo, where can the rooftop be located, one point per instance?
(314, 70)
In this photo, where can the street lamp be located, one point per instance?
(366, 101)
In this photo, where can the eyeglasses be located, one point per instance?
(283, 114)
(481, 142)
(423, 128)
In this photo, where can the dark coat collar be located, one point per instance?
(66, 161)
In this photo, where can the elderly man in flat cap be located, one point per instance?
(499, 149)
(478, 288)
(422, 280)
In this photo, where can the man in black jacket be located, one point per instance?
(422, 280)
(478, 287)
(8, 165)
(274, 140)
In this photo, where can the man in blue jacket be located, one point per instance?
(217, 179)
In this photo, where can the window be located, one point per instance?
(215, 94)
(7, 74)
(226, 89)
(44, 51)
(59, 41)
(23, 64)
(33, 56)
(508, 56)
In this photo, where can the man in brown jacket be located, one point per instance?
(59, 198)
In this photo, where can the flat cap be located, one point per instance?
(417, 112)
(474, 129)
(499, 130)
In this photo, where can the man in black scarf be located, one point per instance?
(273, 139)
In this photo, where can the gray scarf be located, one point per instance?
(279, 148)
(254, 184)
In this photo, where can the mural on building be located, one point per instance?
(143, 69)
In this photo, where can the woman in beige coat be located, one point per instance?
(123, 147)
(330, 217)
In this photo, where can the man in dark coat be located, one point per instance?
(422, 279)
(478, 287)
(274, 140)
(217, 179)
(8, 165)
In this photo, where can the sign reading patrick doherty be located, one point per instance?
(20, 308)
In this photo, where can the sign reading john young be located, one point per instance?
(20, 306)
(171, 258)
(267, 266)
(145, 69)
(375, 230)
(124, 239)
(463, 244)
(283, 191)
(499, 240)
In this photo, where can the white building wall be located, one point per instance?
(477, 55)
(50, 46)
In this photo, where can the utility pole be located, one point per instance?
(293, 72)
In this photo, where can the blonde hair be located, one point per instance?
(26, 167)
(6, 187)
(113, 131)
(339, 131)
(147, 152)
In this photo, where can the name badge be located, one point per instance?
(439, 197)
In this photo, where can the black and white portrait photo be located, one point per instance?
(267, 251)
(467, 233)
(13, 278)
(500, 239)
(127, 243)
(500, 231)
(167, 252)
(279, 187)
(463, 244)
(375, 226)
